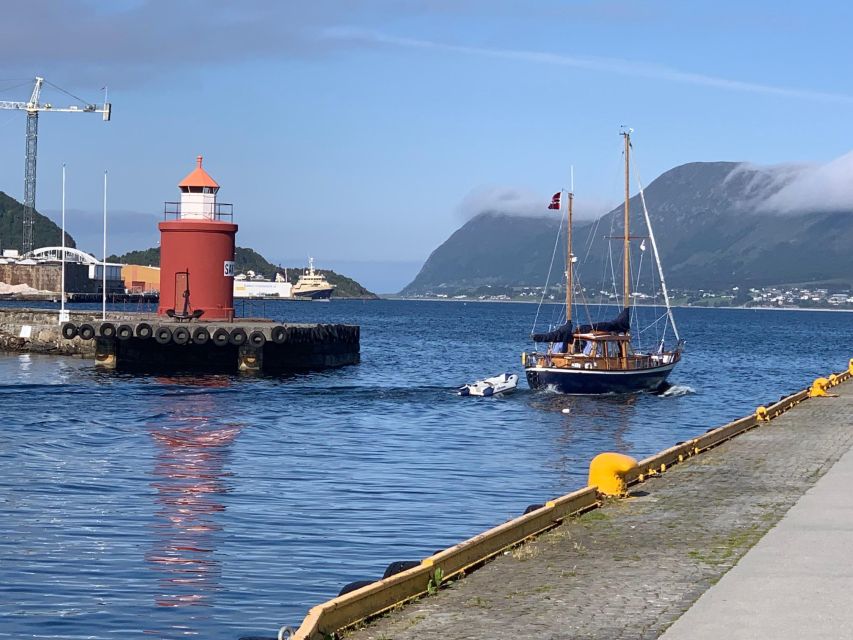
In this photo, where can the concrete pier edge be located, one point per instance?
(367, 603)
(244, 345)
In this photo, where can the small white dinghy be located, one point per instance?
(504, 383)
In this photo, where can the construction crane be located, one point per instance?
(33, 107)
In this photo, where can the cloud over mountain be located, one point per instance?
(825, 187)
(515, 201)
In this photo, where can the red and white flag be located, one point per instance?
(555, 201)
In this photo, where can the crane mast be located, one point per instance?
(33, 107)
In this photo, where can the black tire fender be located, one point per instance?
(144, 330)
(279, 334)
(399, 566)
(69, 330)
(181, 335)
(163, 335)
(220, 337)
(352, 586)
(86, 331)
(238, 337)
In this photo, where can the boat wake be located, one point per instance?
(676, 391)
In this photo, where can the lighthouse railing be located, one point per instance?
(198, 211)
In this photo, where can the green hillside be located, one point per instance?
(250, 260)
(45, 232)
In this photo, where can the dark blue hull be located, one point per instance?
(596, 382)
(320, 294)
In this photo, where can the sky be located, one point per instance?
(363, 133)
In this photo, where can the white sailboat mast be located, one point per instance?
(569, 258)
(626, 272)
(657, 261)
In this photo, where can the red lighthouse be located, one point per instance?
(197, 242)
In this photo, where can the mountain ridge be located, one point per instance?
(713, 227)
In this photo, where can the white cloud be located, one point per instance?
(608, 65)
(516, 201)
(795, 188)
(508, 200)
(826, 187)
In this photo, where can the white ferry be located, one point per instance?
(252, 286)
(312, 285)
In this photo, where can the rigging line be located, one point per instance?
(657, 256)
(613, 273)
(8, 120)
(591, 238)
(636, 300)
(607, 258)
(655, 304)
(654, 322)
(639, 273)
(576, 278)
(15, 86)
(78, 98)
(548, 278)
(660, 336)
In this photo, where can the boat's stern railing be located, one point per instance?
(534, 359)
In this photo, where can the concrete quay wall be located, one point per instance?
(38, 331)
(607, 567)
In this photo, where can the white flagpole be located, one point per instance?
(104, 267)
(63, 315)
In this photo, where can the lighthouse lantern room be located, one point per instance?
(197, 252)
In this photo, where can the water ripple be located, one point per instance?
(220, 506)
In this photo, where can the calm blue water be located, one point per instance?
(221, 506)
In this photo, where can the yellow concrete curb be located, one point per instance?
(373, 599)
(325, 620)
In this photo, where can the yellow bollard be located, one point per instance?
(850, 367)
(818, 389)
(761, 414)
(607, 472)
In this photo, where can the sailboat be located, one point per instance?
(600, 357)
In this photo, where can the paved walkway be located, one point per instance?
(634, 567)
(797, 582)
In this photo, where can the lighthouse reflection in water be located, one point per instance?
(192, 447)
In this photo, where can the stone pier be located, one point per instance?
(146, 342)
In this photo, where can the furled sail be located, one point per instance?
(560, 334)
(620, 324)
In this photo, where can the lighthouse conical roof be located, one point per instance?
(198, 178)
